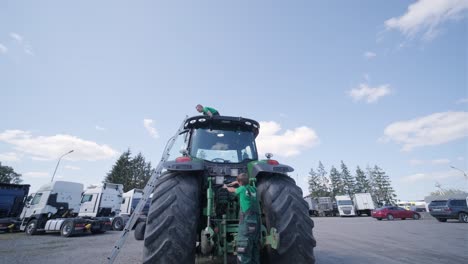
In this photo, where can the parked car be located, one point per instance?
(392, 212)
(449, 209)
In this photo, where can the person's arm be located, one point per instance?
(233, 183)
(208, 112)
(230, 189)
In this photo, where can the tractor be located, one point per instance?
(191, 214)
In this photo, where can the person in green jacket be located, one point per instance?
(209, 111)
(248, 235)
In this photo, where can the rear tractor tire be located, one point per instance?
(286, 210)
(171, 226)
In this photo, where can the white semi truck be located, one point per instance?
(363, 203)
(55, 208)
(345, 205)
(101, 200)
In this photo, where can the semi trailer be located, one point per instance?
(12, 200)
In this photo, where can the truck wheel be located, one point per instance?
(31, 228)
(67, 229)
(117, 224)
(140, 231)
(286, 210)
(171, 225)
(390, 217)
(463, 217)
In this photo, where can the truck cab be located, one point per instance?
(345, 205)
(55, 208)
(103, 200)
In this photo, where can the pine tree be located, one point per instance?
(8, 175)
(384, 192)
(362, 183)
(336, 182)
(131, 172)
(314, 184)
(324, 181)
(122, 171)
(141, 171)
(348, 180)
(372, 184)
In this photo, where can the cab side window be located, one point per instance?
(36, 199)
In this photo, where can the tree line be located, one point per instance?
(340, 181)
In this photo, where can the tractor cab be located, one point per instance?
(222, 139)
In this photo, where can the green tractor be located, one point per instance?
(192, 215)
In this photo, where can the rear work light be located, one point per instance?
(183, 159)
(272, 162)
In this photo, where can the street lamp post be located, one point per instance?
(464, 173)
(58, 162)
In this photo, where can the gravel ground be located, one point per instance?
(339, 240)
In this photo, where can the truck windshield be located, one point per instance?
(223, 145)
(345, 202)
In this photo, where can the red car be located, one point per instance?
(392, 212)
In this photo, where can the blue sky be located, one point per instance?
(374, 83)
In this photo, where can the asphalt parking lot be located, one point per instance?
(339, 240)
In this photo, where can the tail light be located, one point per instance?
(272, 162)
(448, 209)
(79, 225)
(183, 159)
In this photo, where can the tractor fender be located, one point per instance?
(193, 165)
(260, 167)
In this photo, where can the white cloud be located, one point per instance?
(99, 128)
(52, 147)
(432, 162)
(289, 143)
(27, 48)
(36, 174)
(149, 125)
(430, 130)
(3, 49)
(9, 156)
(369, 94)
(370, 55)
(432, 176)
(17, 37)
(69, 167)
(426, 16)
(462, 101)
